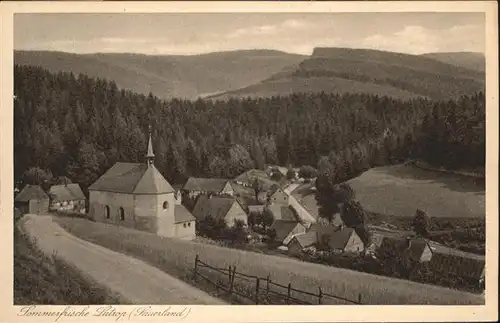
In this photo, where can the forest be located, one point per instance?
(76, 126)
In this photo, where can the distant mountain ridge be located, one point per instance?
(398, 75)
(264, 73)
(471, 60)
(168, 76)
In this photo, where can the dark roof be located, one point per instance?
(182, 214)
(283, 228)
(416, 248)
(457, 262)
(214, 185)
(17, 213)
(31, 192)
(307, 239)
(338, 239)
(216, 206)
(281, 212)
(69, 192)
(132, 178)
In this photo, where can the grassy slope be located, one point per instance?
(469, 60)
(166, 76)
(399, 190)
(368, 71)
(42, 280)
(178, 260)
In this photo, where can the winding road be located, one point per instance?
(134, 280)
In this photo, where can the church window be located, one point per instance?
(189, 224)
(165, 205)
(184, 225)
(122, 214)
(106, 212)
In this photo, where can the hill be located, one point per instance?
(168, 76)
(469, 60)
(341, 70)
(399, 190)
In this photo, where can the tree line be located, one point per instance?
(77, 126)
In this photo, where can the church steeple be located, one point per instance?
(150, 155)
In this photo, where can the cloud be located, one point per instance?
(285, 26)
(418, 40)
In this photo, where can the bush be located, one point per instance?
(308, 172)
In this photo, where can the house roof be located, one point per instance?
(17, 213)
(31, 192)
(132, 178)
(214, 185)
(307, 239)
(216, 206)
(69, 192)
(181, 214)
(338, 239)
(456, 261)
(281, 212)
(417, 247)
(283, 228)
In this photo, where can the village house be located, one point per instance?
(136, 195)
(213, 186)
(67, 198)
(32, 199)
(279, 197)
(281, 212)
(218, 207)
(256, 209)
(300, 242)
(415, 249)
(339, 239)
(285, 230)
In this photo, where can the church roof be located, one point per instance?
(182, 214)
(132, 178)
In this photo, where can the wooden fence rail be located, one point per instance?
(261, 286)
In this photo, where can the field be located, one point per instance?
(399, 190)
(176, 257)
(42, 280)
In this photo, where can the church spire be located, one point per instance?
(150, 155)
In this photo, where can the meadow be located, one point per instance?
(43, 280)
(402, 189)
(176, 257)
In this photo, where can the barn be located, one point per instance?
(32, 199)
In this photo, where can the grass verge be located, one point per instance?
(176, 257)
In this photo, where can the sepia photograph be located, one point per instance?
(249, 158)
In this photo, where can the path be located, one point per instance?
(302, 212)
(134, 280)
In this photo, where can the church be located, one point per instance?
(136, 195)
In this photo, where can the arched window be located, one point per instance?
(106, 212)
(184, 225)
(189, 224)
(122, 214)
(165, 205)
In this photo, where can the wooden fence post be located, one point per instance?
(195, 267)
(267, 284)
(257, 285)
(288, 293)
(320, 295)
(231, 280)
(359, 298)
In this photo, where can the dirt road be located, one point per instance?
(134, 280)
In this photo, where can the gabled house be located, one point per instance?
(415, 249)
(256, 209)
(339, 239)
(217, 207)
(67, 198)
(301, 241)
(211, 186)
(286, 230)
(32, 199)
(185, 223)
(279, 197)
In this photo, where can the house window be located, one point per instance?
(184, 225)
(165, 205)
(122, 214)
(106, 212)
(189, 224)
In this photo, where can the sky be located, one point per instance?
(196, 33)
